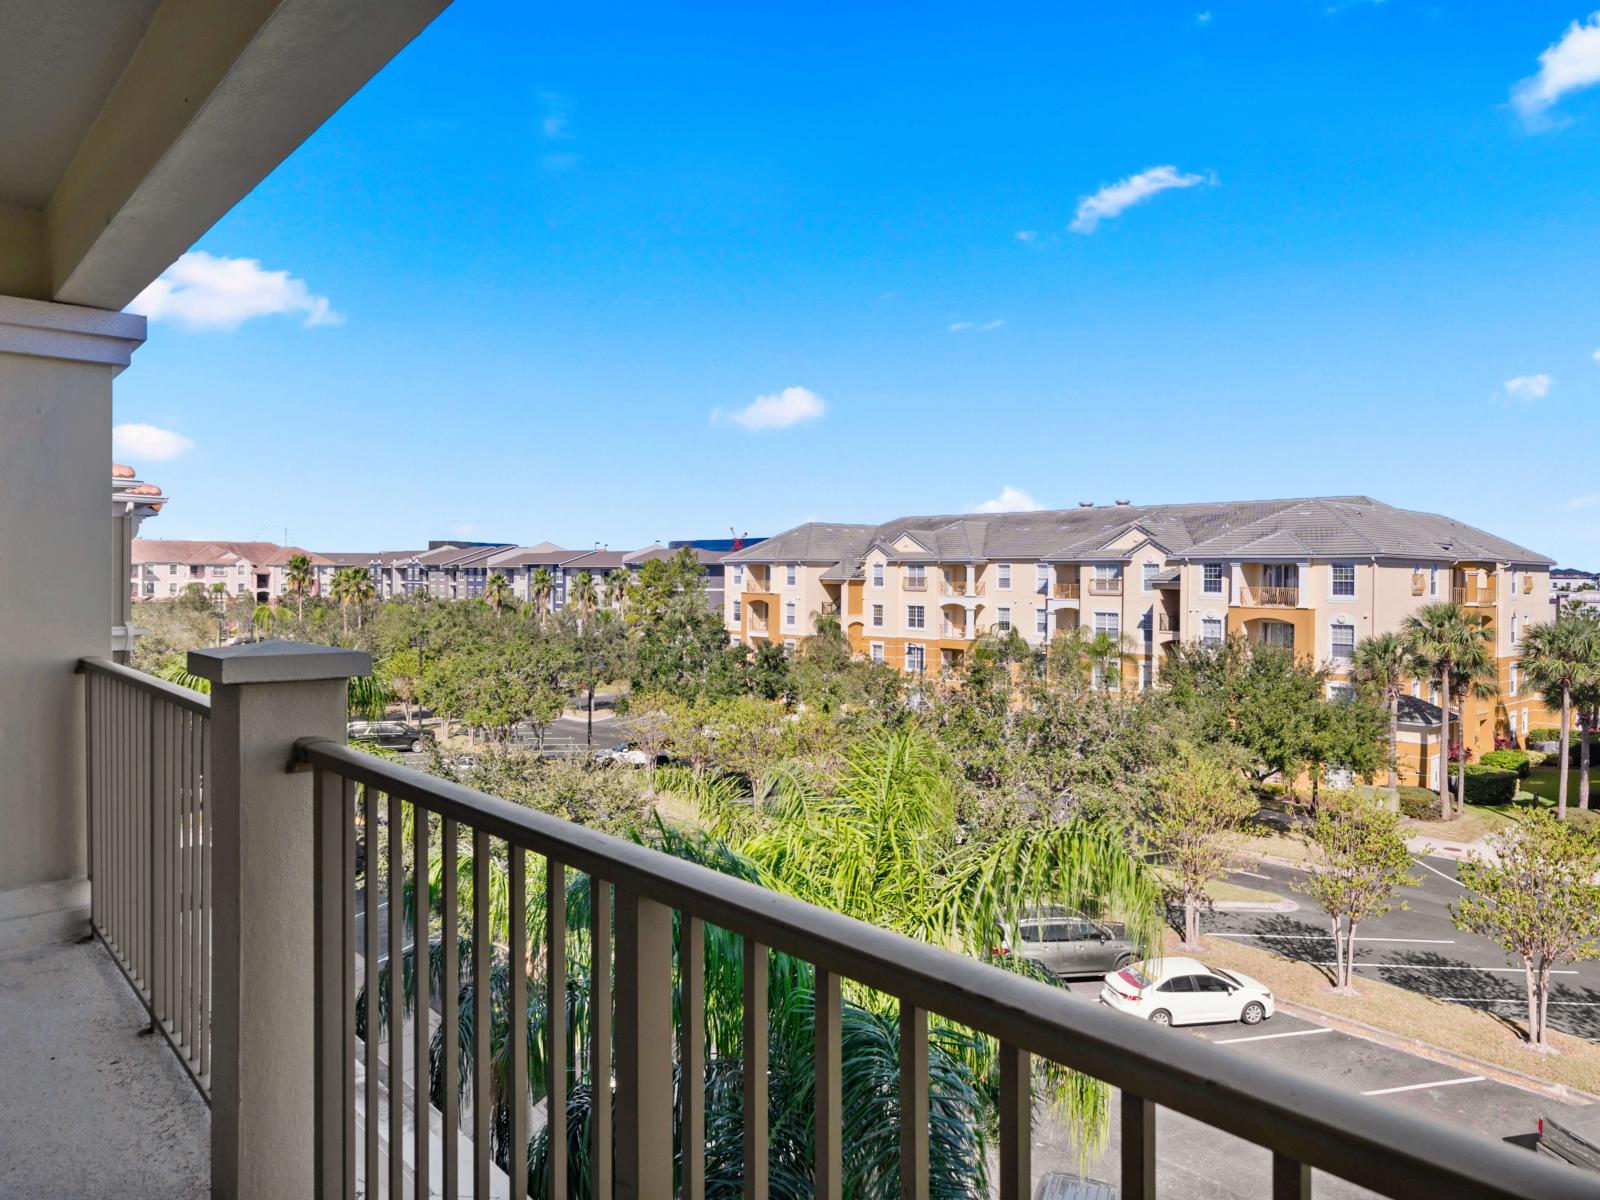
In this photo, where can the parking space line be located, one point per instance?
(1432, 967)
(1264, 1037)
(1251, 874)
(1518, 1000)
(1328, 937)
(1417, 1087)
(1439, 873)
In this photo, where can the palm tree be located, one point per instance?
(1437, 637)
(541, 588)
(342, 591)
(1586, 707)
(583, 595)
(263, 617)
(1382, 665)
(497, 591)
(299, 578)
(1562, 656)
(617, 587)
(1476, 675)
(1081, 659)
(362, 591)
(882, 845)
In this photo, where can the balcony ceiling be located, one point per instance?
(131, 126)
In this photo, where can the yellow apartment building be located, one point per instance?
(1316, 575)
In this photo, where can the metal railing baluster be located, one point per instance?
(1138, 1148)
(913, 1102)
(517, 1019)
(692, 1055)
(450, 1005)
(555, 1007)
(395, 908)
(369, 982)
(482, 1015)
(600, 1038)
(1016, 1123)
(756, 1157)
(1291, 1180)
(422, 999)
(327, 974)
(829, 1165)
(644, 1048)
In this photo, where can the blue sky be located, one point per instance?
(539, 270)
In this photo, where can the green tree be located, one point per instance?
(299, 577)
(583, 596)
(262, 617)
(402, 675)
(1586, 712)
(1560, 657)
(344, 591)
(1348, 733)
(1364, 859)
(1537, 899)
(1080, 659)
(1441, 639)
(541, 588)
(681, 647)
(1193, 827)
(618, 584)
(769, 672)
(1382, 667)
(497, 591)
(598, 651)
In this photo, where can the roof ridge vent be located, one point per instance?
(1085, 503)
(1124, 503)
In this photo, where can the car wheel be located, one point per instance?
(1161, 1017)
(1122, 961)
(416, 745)
(1253, 1013)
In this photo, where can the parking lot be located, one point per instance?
(1201, 1163)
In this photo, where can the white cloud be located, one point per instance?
(1528, 388)
(203, 292)
(980, 327)
(1116, 198)
(148, 442)
(960, 326)
(1569, 65)
(557, 119)
(1596, 356)
(1203, 18)
(780, 410)
(1027, 236)
(1579, 503)
(1010, 499)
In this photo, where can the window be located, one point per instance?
(914, 659)
(172, 589)
(915, 616)
(1147, 675)
(1041, 578)
(1209, 983)
(1342, 642)
(1003, 621)
(1433, 580)
(1041, 620)
(1003, 570)
(788, 612)
(1147, 627)
(1149, 571)
(738, 574)
(1342, 691)
(1277, 633)
(1107, 573)
(738, 610)
(1514, 673)
(877, 574)
(877, 652)
(1183, 983)
(789, 573)
(1211, 631)
(916, 576)
(1108, 623)
(877, 616)
(1344, 579)
(1513, 629)
(788, 645)
(1211, 575)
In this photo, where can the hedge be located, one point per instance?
(1419, 803)
(1542, 733)
(1490, 785)
(1519, 761)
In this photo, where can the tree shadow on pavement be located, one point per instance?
(1296, 939)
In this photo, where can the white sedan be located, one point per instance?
(1184, 991)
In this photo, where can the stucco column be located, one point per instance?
(263, 697)
(57, 541)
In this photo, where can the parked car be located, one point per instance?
(394, 734)
(1184, 991)
(624, 755)
(1067, 943)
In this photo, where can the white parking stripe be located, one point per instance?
(1328, 937)
(1417, 1087)
(1439, 873)
(1518, 1000)
(1431, 967)
(1264, 1037)
(1252, 874)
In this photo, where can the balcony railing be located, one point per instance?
(150, 848)
(644, 915)
(1269, 597)
(1165, 623)
(960, 587)
(1474, 594)
(1105, 587)
(913, 584)
(1071, 591)
(954, 632)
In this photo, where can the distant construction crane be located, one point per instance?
(738, 538)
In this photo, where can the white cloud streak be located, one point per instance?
(1010, 499)
(1580, 503)
(780, 410)
(204, 293)
(1528, 388)
(1566, 66)
(1116, 198)
(975, 326)
(148, 442)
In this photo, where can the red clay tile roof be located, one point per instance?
(118, 471)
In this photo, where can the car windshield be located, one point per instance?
(1221, 974)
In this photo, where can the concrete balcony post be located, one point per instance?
(263, 697)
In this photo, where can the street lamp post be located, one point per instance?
(419, 643)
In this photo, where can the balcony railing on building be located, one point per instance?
(915, 583)
(1269, 597)
(1474, 594)
(1105, 587)
(624, 953)
(960, 587)
(1166, 623)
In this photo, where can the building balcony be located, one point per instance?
(1473, 596)
(1069, 591)
(954, 633)
(1105, 587)
(910, 584)
(1269, 597)
(961, 588)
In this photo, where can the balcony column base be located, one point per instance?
(263, 697)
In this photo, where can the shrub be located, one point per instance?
(1537, 758)
(1490, 785)
(1543, 733)
(1419, 803)
(1519, 761)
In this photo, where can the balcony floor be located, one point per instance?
(88, 1107)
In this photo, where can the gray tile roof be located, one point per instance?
(1313, 527)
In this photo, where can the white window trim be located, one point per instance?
(875, 651)
(1147, 577)
(922, 652)
(1002, 576)
(877, 574)
(1222, 630)
(1337, 624)
(877, 616)
(1115, 617)
(790, 613)
(1355, 584)
(924, 616)
(791, 575)
(1222, 579)
(1002, 619)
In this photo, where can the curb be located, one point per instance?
(1454, 1058)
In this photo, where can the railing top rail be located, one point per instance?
(183, 697)
(1391, 1152)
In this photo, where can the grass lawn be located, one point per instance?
(1545, 782)
(1413, 1015)
(1221, 889)
(1476, 822)
(1277, 843)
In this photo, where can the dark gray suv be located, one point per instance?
(1070, 944)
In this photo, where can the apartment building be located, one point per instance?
(161, 568)
(1313, 575)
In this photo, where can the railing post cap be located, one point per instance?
(278, 662)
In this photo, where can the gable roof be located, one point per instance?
(194, 552)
